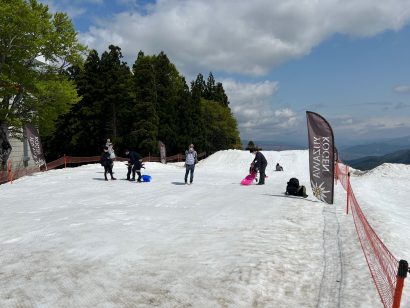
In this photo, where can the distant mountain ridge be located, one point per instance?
(378, 148)
(370, 162)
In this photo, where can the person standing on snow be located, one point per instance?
(110, 148)
(191, 158)
(134, 165)
(107, 163)
(260, 164)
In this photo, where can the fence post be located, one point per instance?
(348, 193)
(401, 274)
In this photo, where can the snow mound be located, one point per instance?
(296, 160)
(389, 170)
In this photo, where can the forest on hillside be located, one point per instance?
(138, 107)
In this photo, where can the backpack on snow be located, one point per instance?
(292, 186)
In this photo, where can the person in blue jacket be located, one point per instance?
(134, 165)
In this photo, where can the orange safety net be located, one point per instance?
(382, 264)
(11, 173)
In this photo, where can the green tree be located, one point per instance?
(117, 100)
(220, 95)
(36, 47)
(198, 130)
(185, 118)
(144, 128)
(105, 108)
(209, 91)
(81, 130)
(221, 132)
(168, 84)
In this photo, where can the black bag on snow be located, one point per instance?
(292, 186)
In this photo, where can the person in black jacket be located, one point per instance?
(107, 163)
(260, 164)
(134, 165)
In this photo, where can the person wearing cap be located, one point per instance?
(260, 163)
(191, 158)
(107, 163)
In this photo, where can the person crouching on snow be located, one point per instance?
(134, 165)
(260, 163)
(107, 163)
(191, 158)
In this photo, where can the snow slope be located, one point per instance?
(70, 239)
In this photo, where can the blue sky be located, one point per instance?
(347, 60)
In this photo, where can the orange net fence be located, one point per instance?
(384, 268)
(11, 172)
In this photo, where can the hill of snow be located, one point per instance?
(70, 239)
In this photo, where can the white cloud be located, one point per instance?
(258, 117)
(247, 37)
(381, 126)
(402, 89)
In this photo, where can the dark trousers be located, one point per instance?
(108, 169)
(134, 168)
(262, 174)
(189, 168)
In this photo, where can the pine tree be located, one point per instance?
(198, 131)
(168, 83)
(185, 118)
(80, 132)
(220, 95)
(117, 101)
(145, 121)
(221, 131)
(209, 91)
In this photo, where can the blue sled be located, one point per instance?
(146, 178)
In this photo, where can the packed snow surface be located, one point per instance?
(70, 239)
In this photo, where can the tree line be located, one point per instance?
(78, 98)
(139, 106)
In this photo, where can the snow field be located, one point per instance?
(70, 239)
